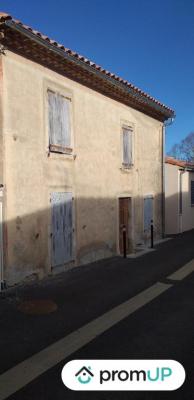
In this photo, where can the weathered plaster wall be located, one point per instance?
(93, 174)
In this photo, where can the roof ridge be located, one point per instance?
(5, 16)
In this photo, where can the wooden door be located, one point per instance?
(124, 221)
(62, 228)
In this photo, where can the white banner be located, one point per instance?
(123, 375)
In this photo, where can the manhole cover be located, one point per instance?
(37, 307)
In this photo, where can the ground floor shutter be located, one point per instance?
(148, 212)
(62, 228)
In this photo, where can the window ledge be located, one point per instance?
(55, 155)
(60, 149)
(126, 168)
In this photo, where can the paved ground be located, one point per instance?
(161, 329)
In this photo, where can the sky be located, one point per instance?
(148, 42)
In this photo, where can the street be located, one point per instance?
(156, 323)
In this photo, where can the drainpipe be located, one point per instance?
(166, 123)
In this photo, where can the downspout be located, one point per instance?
(166, 123)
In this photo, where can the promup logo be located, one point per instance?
(123, 375)
(84, 375)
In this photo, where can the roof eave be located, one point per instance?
(166, 114)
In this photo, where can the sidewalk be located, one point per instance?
(81, 295)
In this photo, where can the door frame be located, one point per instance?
(132, 230)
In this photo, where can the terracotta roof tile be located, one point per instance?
(5, 16)
(179, 163)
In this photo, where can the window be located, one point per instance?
(127, 137)
(59, 123)
(192, 193)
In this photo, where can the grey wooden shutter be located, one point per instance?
(65, 121)
(59, 120)
(130, 147)
(127, 147)
(69, 226)
(62, 228)
(148, 212)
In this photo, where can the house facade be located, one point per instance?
(81, 157)
(179, 196)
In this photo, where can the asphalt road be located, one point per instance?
(162, 329)
(82, 295)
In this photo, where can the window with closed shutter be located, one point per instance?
(127, 147)
(192, 193)
(59, 123)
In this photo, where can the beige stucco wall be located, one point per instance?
(174, 221)
(93, 173)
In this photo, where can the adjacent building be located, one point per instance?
(81, 157)
(179, 196)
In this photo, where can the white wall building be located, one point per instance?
(179, 196)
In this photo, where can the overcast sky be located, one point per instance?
(148, 42)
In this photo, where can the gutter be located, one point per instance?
(11, 24)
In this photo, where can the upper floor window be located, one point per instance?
(59, 123)
(192, 193)
(127, 139)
